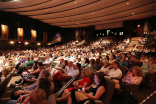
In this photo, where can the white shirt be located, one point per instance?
(144, 61)
(48, 60)
(103, 69)
(74, 73)
(69, 69)
(115, 73)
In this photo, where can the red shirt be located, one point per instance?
(87, 79)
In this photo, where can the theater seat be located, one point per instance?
(28, 67)
(51, 99)
(4, 83)
(106, 97)
(150, 79)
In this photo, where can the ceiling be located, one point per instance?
(81, 13)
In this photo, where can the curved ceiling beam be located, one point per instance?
(98, 14)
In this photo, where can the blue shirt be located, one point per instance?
(23, 61)
(125, 64)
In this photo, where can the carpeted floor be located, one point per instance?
(141, 95)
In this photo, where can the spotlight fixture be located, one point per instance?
(38, 43)
(26, 43)
(127, 3)
(11, 42)
(132, 13)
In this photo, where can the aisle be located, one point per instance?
(134, 40)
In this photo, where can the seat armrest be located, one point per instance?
(96, 101)
(31, 81)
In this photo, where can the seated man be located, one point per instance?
(115, 72)
(29, 63)
(69, 72)
(135, 61)
(48, 60)
(118, 56)
(57, 67)
(123, 61)
(144, 59)
(149, 67)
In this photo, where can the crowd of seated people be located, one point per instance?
(104, 58)
(145, 45)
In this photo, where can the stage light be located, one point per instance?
(38, 43)
(11, 42)
(26, 43)
(19, 42)
(138, 25)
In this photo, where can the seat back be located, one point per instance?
(51, 89)
(118, 60)
(123, 69)
(92, 76)
(51, 99)
(109, 89)
(2, 87)
(131, 88)
(128, 61)
(4, 83)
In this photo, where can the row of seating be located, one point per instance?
(4, 83)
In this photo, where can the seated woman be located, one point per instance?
(35, 73)
(112, 58)
(36, 97)
(133, 78)
(96, 91)
(38, 70)
(5, 72)
(85, 63)
(83, 83)
(104, 67)
(91, 63)
(42, 83)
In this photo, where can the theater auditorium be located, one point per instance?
(77, 51)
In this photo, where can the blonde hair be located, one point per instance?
(107, 62)
(87, 72)
(139, 71)
(38, 96)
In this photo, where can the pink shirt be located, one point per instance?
(135, 80)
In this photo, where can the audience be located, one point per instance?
(123, 61)
(149, 67)
(134, 77)
(68, 60)
(96, 91)
(115, 72)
